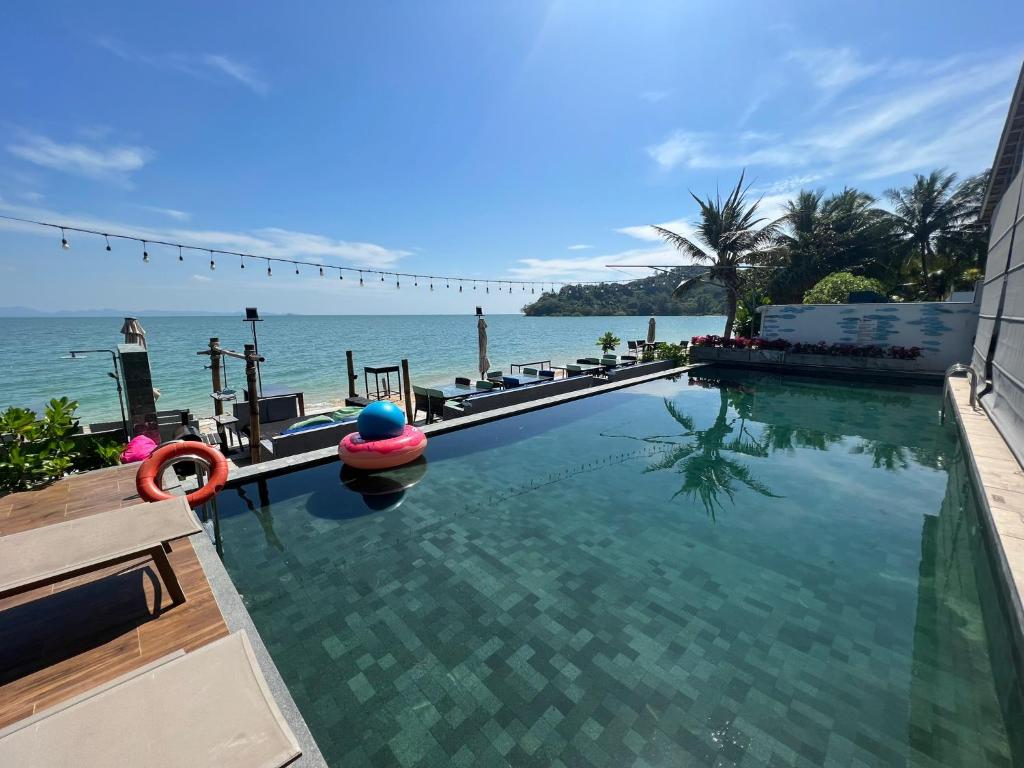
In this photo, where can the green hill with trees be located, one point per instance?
(646, 296)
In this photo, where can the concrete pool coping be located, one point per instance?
(999, 482)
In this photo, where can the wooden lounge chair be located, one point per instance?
(54, 553)
(210, 707)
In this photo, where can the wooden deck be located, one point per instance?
(60, 641)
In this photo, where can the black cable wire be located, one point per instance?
(297, 262)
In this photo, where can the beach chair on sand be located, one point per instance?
(54, 553)
(204, 709)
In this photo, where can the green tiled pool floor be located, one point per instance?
(767, 573)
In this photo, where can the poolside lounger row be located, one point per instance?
(44, 556)
(207, 708)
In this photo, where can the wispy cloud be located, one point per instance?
(96, 161)
(243, 73)
(202, 278)
(267, 241)
(833, 69)
(908, 123)
(580, 247)
(654, 96)
(206, 66)
(594, 268)
(650, 234)
(171, 213)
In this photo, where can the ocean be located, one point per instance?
(302, 351)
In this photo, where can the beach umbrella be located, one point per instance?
(481, 331)
(133, 332)
(650, 331)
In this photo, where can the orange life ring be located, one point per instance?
(147, 480)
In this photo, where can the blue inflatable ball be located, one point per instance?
(380, 420)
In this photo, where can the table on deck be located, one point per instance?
(378, 371)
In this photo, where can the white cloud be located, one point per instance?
(595, 267)
(237, 70)
(202, 278)
(112, 162)
(654, 96)
(171, 213)
(205, 66)
(267, 241)
(833, 69)
(33, 197)
(650, 234)
(912, 119)
(580, 247)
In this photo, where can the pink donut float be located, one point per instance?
(382, 454)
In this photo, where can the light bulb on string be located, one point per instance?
(487, 288)
(321, 271)
(145, 253)
(382, 277)
(296, 268)
(431, 286)
(213, 264)
(415, 282)
(269, 273)
(360, 279)
(180, 257)
(108, 243)
(460, 287)
(341, 275)
(510, 287)
(241, 262)
(397, 284)
(64, 240)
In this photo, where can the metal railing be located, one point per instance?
(972, 377)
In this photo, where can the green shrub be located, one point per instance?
(674, 352)
(35, 451)
(837, 287)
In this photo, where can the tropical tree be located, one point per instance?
(730, 235)
(819, 235)
(924, 211)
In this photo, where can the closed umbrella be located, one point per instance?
(481, 330)
(650, 331)
(133, 332)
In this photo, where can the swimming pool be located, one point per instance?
(726, 567)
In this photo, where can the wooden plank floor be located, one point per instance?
(57, 642)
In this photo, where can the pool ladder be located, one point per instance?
(972, 376)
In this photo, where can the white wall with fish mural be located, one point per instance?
(943, 330)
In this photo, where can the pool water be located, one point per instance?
(723, 569)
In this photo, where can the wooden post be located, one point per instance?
(410, 402)
(251, 359)
(352, 378)
(218, 406)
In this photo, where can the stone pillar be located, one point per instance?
(138, 391)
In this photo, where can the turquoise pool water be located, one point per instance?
(726, 569)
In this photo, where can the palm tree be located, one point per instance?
(819, 236)
(923, 211)
(730, 235)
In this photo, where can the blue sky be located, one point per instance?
(531, 140)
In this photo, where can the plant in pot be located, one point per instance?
(608, 341)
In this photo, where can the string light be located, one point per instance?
(360, 279)
(341, 275)
(66, 245)
(321, 271)
(213, 264)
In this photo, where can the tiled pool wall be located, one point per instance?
(449, 702)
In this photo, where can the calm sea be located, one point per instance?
(307, 352)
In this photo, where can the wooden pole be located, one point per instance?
(410, 402)
(251, 359)
(352, 378)
(218, 406)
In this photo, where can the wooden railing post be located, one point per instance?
(410, 402)
(218, 406)
(251, 359)
(352, 378)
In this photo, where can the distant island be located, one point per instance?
(646, 296)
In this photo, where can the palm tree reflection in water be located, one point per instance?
(706, 460)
